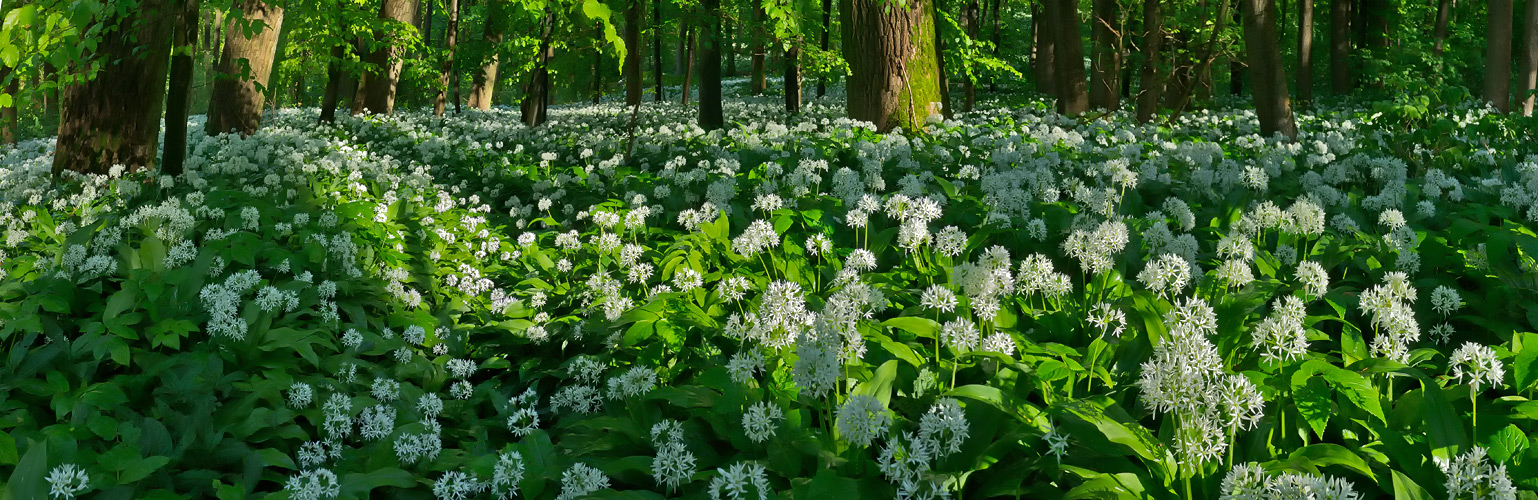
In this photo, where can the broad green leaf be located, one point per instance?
(26, 481)
(1510, 444)
(917, 325)
(880, 383)
(1314, 404)
(1406, 489)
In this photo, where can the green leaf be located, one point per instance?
(1326, 454)
(8, 454)
(1442, 424)
(1525, 367)
(917, 325)
(828, 484)
(1406, 489)
(1508, 444)
(359, 485)
(1313, 403)
(26, 482)
(1100, 485)
(880, 383)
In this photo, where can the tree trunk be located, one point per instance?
(1044, 41)
(484, 82)
(756, 69)
(184, 42)
(633, 53)
(729, 45)
(450, 40)
(1529, 75)
(1105, 91)
(891, 55)
(536, 98)
(827, 25)
(944, 75)
(971, 20)
(114, 119)
(425, 24)
(1498, 55)
(1305, 51)
(334, 78)
(1440, 33)
(379, 82)
(1205, 59)
(236, 102)
(1152, 81)
(711, 117)
(1265, 59)
(793, 79)
(688, 67)
(1340, 46)
(10, 121)
(1072, 84)
(657, 49)
(1235, 66)
(993, 82)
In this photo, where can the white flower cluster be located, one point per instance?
(1248, 481)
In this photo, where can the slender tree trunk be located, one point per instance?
(1207, 56)
(425, 24)
(10, 120)
(688, 67)
(1262, 47)
(972, 22)
(1305, 51)
(334, 78)
(236, 102)
(484, 82)
(1440, 33)
(1105, 90)
(1498, 55)
(657, 49)
(114, 119)
(1529, 75)
(993, 82)
(597, 63)
(1046, 47)
(633, 53)
(1152, 81)
(793, 79)
(536, 99)
(729, 46)
(944, 75)
(891, 54)
(756, 77)
(184, 42)
(379, 82)
(827, 25)
(1340, 46)
(711, 117)
(1072, 83)
(451, 41)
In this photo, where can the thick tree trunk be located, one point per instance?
(1105, 90)
(1498, 55)
(1262, 47)
(1305, 51)
(334, 78)
(827, 25)
(379, 82)
(971, 21)
(711, 117)
(944, 74)
(633, 53)
(451, 41)
(1045, 44)
(1152, 82)
(114, 119)
(793, 79)
(1072, 84)
(536, 100)
(484, 82)
(1340, 46)
(891, 54)
(756, 68)
(657, 49)
(1529, 68)
(1440, 33)
(688, 67)
(183, 42)
(236, 102)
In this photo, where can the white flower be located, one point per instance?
(456, 485)
(313, 485)
(1470, 474)
(861, 419)
(300, 395)
(960, 334)
(581, 480)
(760, 420)
(66, 481)
(945, 425)
(938, 298)
(1479, 364)
(732, 483)
(1445, 301)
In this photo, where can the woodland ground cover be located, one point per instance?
(1017, 304)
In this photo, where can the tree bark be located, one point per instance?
(334, 78)
(484, 82)
(657, 49)
(1105, 91)
(536, 99)
(1440, 33)
(451, 41)
(1045, 48)
(236, 102)
(1305, 51)
(633, 53)
(688, 67)
(1262, 47)
(1498, 55)
(114, 119)
(1340, 46)
(827, 25)
(793, 79)
(729, 47)
(1072, 84)
(184, 42)
(1235, 66)
(1152, 81)
(10, 120)
(711, 117)
(891, 54)
(756, 78)
(1205, 59)
(943, 74)
(971, 20)
(1529, 75)
(993, 82)
(379, 82)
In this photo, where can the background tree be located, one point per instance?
(891, 55)
(1340, 46)
(1497, 88)
(1151, 77)
(380, 80)
(1305, 50)
(448, 78)
(1265, 59)
(245, 68)
(1105, 86)
(184, 42)
(1529, 69)
(1072, 87)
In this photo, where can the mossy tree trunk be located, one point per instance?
(236, 102)
(894, 74)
